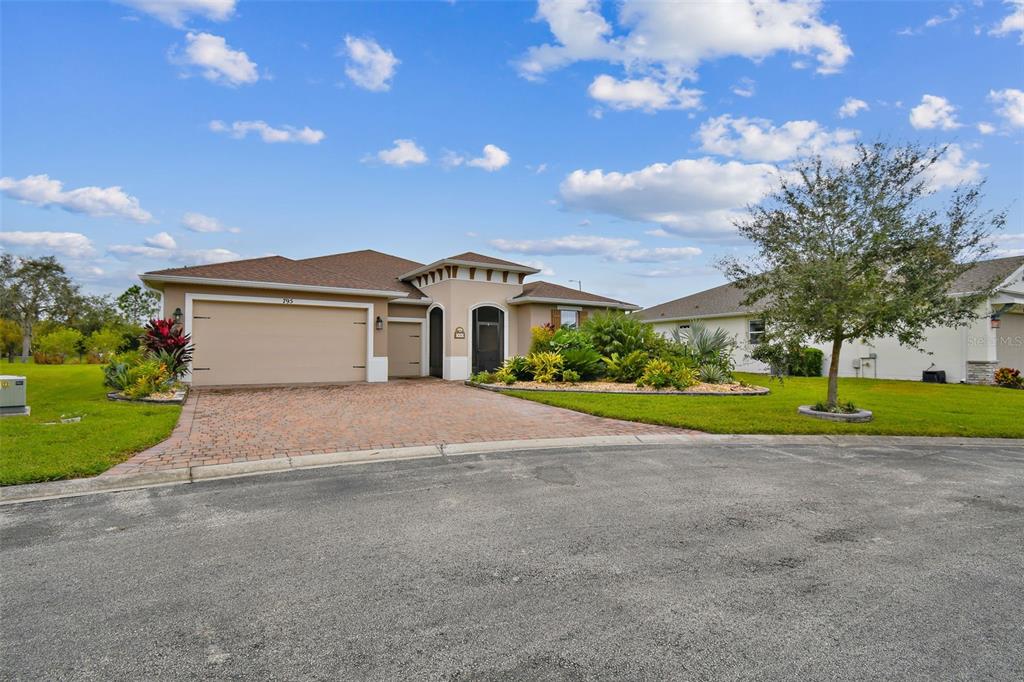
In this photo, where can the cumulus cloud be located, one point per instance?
(493, 158)
(163, 247)
(688, 196)
(1012, 22)
(953, 169)
(197, 222)
(162, 240)
(177, 12)
(268, 133)
(369, 66)
(615, 249)
(986, 128)
(404, 153)
(852, 106)
(671, 39)
(647, 94)
(757, 139)
(70, 244)
(1010, 105)
(216, 61)
(41, 190)
(934, 112)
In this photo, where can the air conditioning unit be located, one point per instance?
(12, 396)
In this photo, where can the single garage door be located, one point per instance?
(260, 343)
(404, 344)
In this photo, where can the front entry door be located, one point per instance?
(436, 343)
(488, 339)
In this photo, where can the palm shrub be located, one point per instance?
(713, 374)
(616, 332)
(708, 346)
(626, 369)
(584, 361)
(545, 366)
(519, 367)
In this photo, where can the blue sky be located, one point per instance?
(605, 143)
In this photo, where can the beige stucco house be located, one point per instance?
(968, 354)
(361, 316)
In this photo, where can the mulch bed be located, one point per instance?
(611, 387)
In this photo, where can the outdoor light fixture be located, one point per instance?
(994, 322)
(177, 316)
(379, 324)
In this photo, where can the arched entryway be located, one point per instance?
(488, 349)
(436, 343)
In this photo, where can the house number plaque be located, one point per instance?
(460, 333)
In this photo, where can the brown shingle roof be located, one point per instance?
(725, 299)
(473, 257)
(382, 269)
(558, 292)
(277, 270)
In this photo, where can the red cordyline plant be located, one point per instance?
(168, 343)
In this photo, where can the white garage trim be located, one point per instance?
(373, 369)
(424, 341)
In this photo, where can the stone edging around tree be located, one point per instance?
(554, 389)
(179, 398)
(848, 417)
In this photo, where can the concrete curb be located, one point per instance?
(107, 484)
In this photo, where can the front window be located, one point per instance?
(755, 331)
(570, 318)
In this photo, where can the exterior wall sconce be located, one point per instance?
(994, 322)
(177, 316)
(379, 324)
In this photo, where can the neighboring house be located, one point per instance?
(361, 316)
(968, 354)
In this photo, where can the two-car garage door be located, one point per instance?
(260, 343)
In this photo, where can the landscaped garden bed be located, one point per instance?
(699, 389)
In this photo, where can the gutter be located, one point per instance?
(573, 301)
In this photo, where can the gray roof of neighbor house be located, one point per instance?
(546, 291)
(725, 299)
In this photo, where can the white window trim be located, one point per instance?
(760, 334)
(424, 341)
(373, 368)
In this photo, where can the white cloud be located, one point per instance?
(933, 21)
(1012, 22)
(197, 222)
(40, 190)
(540, 265)
(610, 248)
(757, 139)
(70, 244)
(687, 196)
(671, 39)
(1012, 105)
(647, 94)
(216, 60)
(934, 112)
(370, 66)
(269, 134)
(404, 153)
(162, 240)
(176, 12)
(745, 88)
(1008, 245)
(493, 158)
(986, 128)
(852, 106)
(952, 169)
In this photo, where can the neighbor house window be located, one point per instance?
(755, 331)
(570, 318)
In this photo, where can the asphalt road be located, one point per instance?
(796, 562)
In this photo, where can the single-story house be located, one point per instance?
(361, 316)
(968, 354)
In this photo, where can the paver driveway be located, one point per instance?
(237, 425)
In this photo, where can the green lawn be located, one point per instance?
(108, 433)
(904, 408)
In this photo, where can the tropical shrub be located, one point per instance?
(707, 346)
(657, 374)
(482, 378)
(626, 369)
(571, 376)
(146, 378)
(789, 360)
(545, 366)
(713, 374)
(518, 366)
(808, 363)
(57, 345)
(616, 332)
(1009, 377)
(104, 342)
(584, 361)
(165, 335)
(684, 377)
(541, 338)
(116, 372)
(569, 337)
(505, 376)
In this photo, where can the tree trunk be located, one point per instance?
(26, 346)
(833, 371)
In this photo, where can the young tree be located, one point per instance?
(30, 289)
(857, 251)
(138, 305)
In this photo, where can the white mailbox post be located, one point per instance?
(13, 396)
